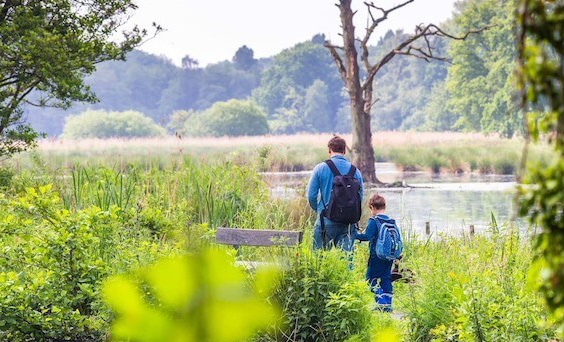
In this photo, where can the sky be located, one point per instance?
(211, 31)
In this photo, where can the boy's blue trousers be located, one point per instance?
(379, 278)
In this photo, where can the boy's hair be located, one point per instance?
(337, 144)
(377, 202)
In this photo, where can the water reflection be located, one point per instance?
(450, 207)
(449, 203)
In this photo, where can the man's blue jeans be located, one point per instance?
(336, 235)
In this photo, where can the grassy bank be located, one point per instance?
(65, 229)
(433, 152)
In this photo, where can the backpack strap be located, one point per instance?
(333, 168)
(378, 225)
(352, 171)
(331, 164)
(377, 232)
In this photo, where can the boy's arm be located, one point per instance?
(369, 231)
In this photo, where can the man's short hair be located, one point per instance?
(337, 144)
(377, 202)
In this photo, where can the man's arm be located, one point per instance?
(369, 232)
(358, 177)
(313, 190)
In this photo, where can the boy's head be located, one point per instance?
(337, 145)
(377, 202)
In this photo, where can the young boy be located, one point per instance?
(378, 272)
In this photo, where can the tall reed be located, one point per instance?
(436, 152)
(472, 289)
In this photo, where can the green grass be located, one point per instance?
(117, 216)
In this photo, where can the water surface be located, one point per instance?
(449, 203)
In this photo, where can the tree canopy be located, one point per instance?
(300, 91)
(230, 118)
(284, 87)
(480, 82)
(102, 124)
(46, 49)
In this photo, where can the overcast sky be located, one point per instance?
(211, 31)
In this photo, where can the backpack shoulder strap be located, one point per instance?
(352, 171)
(333, 168)
(378, 223)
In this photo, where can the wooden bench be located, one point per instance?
(256, 237)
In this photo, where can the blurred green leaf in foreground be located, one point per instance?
(201, 297)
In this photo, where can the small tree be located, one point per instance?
(101, 124)
(189, 62)
(231, 118)
(360, 90)
(244, 58)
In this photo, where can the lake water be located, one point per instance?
(449, 203)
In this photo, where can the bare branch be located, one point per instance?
(422, 54)
(426, 52)
(375, 22)
(338, 59)
(372, 104)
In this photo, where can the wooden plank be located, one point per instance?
(257, 237)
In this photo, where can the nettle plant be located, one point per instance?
(321, 300)
(54, 261)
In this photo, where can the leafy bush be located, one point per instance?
(231, 118)
(53, 263)
(321, 300)
(6, 175)
(102, 124)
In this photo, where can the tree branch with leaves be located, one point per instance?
(47, 48)
(541, 52)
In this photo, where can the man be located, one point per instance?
(319, 187)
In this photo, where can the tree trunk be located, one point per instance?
(362, 151)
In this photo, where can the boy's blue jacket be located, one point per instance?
(322, 181)
(371, 231)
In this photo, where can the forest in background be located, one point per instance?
(299, 90)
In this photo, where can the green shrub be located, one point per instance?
(232, 118)
(102, 124)
(506, 166)
(53, 263)
(320, 299)
(6, 176)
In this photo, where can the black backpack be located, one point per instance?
(344, 202)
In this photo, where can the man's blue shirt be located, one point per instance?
(321, 182)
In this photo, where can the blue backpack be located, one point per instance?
(387, 242)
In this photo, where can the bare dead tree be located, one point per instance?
(360, 91)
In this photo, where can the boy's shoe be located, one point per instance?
(382, 308)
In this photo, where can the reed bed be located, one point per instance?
(410, 151)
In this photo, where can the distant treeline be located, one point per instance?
(300, 90)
